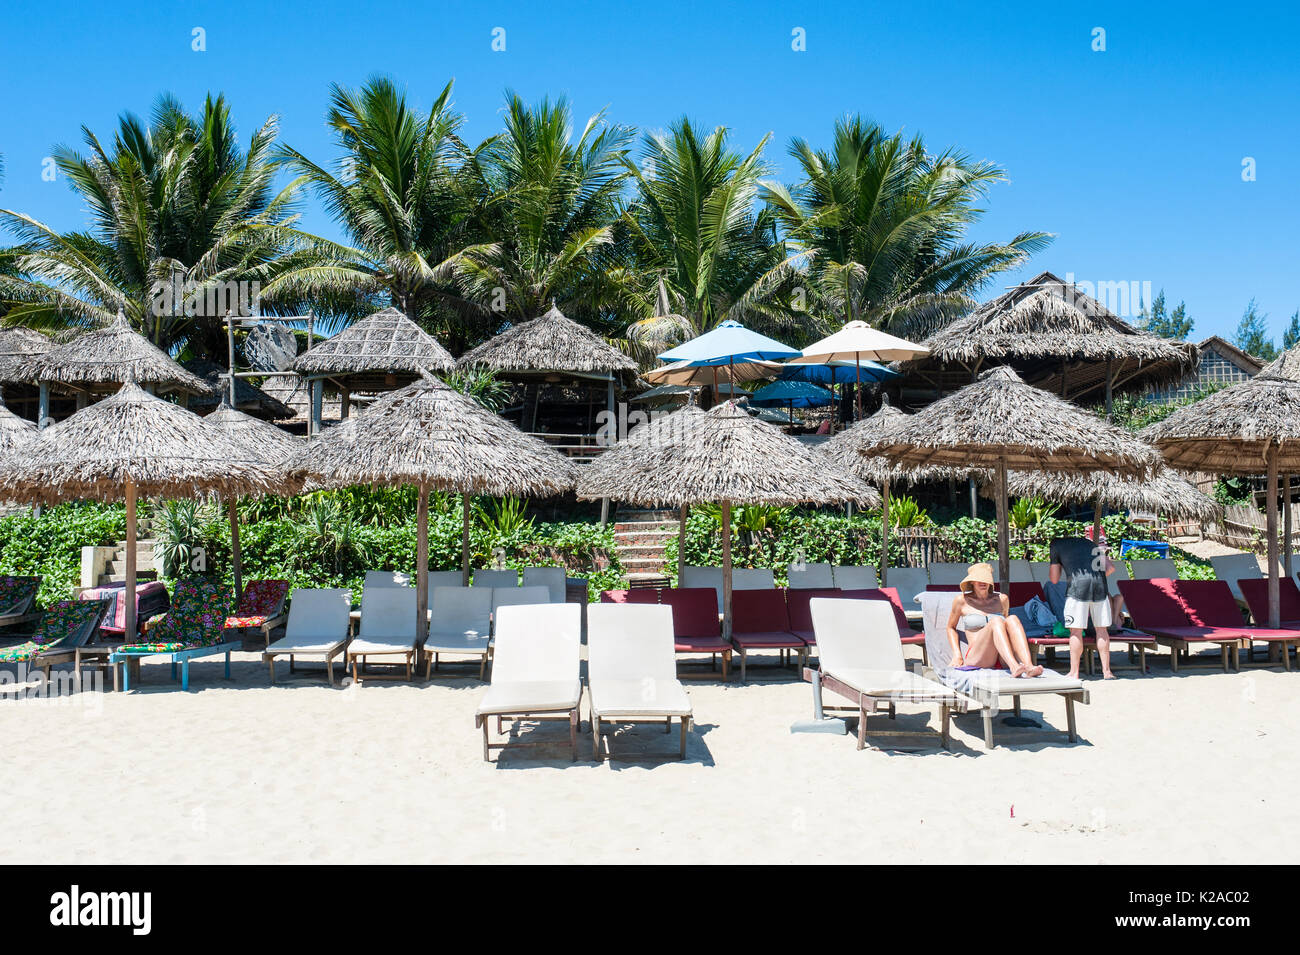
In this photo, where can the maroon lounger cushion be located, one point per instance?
(1022, 591)
(944, 588)
(761, 620)
(695, 612)
(1209, 603)
(800, 611)
(1156, 609)
(1256, 594)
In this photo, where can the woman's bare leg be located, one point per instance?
(1003, 643)
(1020, 644)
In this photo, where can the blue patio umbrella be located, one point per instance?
(791, 394)
(729, 343)
(838, 373)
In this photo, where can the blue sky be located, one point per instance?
(1132, 156)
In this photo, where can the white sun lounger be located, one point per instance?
(988, 686)
(536, 671)
(1152, 568)
(388, 630)
(862, 577)
(317, 627)
(444, 578)
(632, 669)
(810, 576)
(376, 579)
(862, 661)
(1236, 567)
(1022, 572)
(908, 581)
(948, 572)
(554, 579)
(462, 626)
(495, 578)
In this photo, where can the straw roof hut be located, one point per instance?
(1285, 365)
(132, 443)
(100, 361)
(1248, 429)
(999, 422)
(15, 432)
(248, 397)
(372, 353)
(19, 345)
(552, 348)
(1057, 338)
(435, 438)
(1167, 492)
(722, 455)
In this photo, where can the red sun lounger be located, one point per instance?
(1156, 609)
(695, 623)
(1210, 604)
(761, 621)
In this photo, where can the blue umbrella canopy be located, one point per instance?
(731, 342)
(787, 394)
(838, 373)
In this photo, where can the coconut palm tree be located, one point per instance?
(400, 193)
(882, 224)
(174, 204)
(549, 204)
(695, 229)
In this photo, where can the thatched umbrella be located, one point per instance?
(1042, 328)
(15, 432)
(435, 438)
(103, 359)
(1285, 365)
(262, 442)
(379, 353)
(999, 422)
(1166, 492)
(129, 444)
(849, 450)
(19, 345)
(1249, 429)
(551, 345)
(723, 455)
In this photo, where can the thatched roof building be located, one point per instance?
(100, 361)
(1285, 365)
(847, 450)
(15, 432)
(18, 346)
(249, 398)
(262, 440)
(378, 353)
(1056, 338)
(723, 454)
(550, 348)
(1167, 492)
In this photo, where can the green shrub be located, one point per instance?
(50, 545)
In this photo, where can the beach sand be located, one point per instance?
(1197, 768)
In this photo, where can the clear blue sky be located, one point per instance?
(1132, 156)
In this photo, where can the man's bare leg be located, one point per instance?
(1103, 651)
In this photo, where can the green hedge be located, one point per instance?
(50, 545)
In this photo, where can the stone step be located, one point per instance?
(119, 566)
(660, 515)
(638, 580)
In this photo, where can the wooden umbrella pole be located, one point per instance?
(422, 565)
(726, 571)
(1004, 545)
(857, 388)
(1274, 590)
(1110, 385)
(1096, 522)
(681, 541)
(1286, 526)
(884, 533)
(236, 560)
(464, 540)
(129, 622)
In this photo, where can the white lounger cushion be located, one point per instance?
(857, 643)
(537, 660)
(519, 596)
(318, 622)
(631, 665)
(908, 581)
(1153, 567)
(462, 620)
(385, 578)
(984, 685)
(387, 621)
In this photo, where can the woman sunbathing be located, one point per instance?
(991, 633)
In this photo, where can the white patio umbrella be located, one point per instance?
(855, 342)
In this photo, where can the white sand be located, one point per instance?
(1198, 768)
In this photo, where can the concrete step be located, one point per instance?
(660, 515)
(637, 580)
(119, 566)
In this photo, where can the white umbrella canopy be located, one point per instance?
(688, 373)
(857, 342)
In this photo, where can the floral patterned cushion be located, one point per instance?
(20, 653)
(17, 595)
(262, 600)
(68, 623)
(198, 613)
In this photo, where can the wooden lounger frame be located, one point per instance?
(600, 757)
(532, 716)
(960, 704)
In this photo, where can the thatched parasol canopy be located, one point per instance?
(847, 450)
(103, 359)
(15, 432)
(551, 346)
(1043, 329)
(385, 343)
(248, 397)
(1248, 429)
(128, 444)
(724, 454)
(1000, 422)
(1285, 365)
(1167, 492)
(19, 345)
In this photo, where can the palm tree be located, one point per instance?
(401, 195)
(175, 202)
(695, 230)
(882, 222)
(549, 204)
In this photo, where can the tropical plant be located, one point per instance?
(482, 385)
(504, 517)
(180, 531)
(325, 535)
(175, 204)
(694, 225)
(906, 512)
(882, 224)
(1028, 511)
(548, 202)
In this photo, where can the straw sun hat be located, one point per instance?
(978, 574)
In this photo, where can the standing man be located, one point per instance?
(1084, 566)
